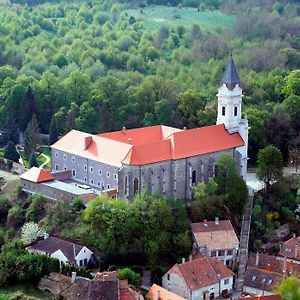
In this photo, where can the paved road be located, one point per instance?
(47, 160)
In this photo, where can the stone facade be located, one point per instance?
(169, 178)
(87, 171)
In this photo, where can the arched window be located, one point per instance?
(126, 185)
(194, 177)
(135, 185)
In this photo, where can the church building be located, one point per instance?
(159, 159)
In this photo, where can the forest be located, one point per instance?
(94, 67)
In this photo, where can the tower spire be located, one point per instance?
(230, 77)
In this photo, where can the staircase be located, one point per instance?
(244, 242)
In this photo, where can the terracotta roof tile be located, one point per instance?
(87, 289)
(291, 248)
(214, 236)
(262, 279)
(148, 145)
(273, 264)
(37, 175)
(164, 294)
(201, 272)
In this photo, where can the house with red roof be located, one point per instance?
(291, 249)
(265, 272)
(158, 158)
(202, 278)
(216, 239)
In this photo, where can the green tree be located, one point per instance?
(32, 137)
(132, 277)
(269, 165)
(27, 109)
(11, 152)
(289, 288)
(292, 83)
(226, 170)
(33, 161)
(53, 132)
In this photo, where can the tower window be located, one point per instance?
(235, 111)
(223, 110)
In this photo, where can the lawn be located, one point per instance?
(157, 15)
(40, 158)
(7, 292)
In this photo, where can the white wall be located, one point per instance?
(178, 286)
(254, 291)
(60, 256)
(84, 253)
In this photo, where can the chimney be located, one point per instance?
(205, 222)
(87, 141)
(73, 278)
(294, 235)
(184, 128)
(191, 257)
(46, 236)
(183, 260)
(158, 294)
(284, 264)
(296, 251)
(217, 220)
(257, 259)
(124, 128)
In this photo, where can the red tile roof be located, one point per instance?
(148, 145)
(37, 175)
(273, 264)
(164, 294)
(201, 272)
(291, 248)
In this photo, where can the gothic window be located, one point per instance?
(126, 185)
(194, 177)
(235, 111)
(73, 172)
(135, 185)
(223, 110)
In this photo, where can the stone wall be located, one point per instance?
(173, 178)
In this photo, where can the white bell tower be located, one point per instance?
(230, 110)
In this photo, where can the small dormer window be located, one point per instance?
(223, 110)
(253, 278)
(270, 281)
(235, 112)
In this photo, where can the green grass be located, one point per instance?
(28, 290)
(40, 158)
(155, 16)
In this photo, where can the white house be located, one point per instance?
(200, 279)
(65, 251)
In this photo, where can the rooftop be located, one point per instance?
(262, 279)
(215, 235)
(37, 175)
(149, 144)
(52, 243)
(230, 76)
(291, 248)
(201, 272)
(157, 292)
(87, 289)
